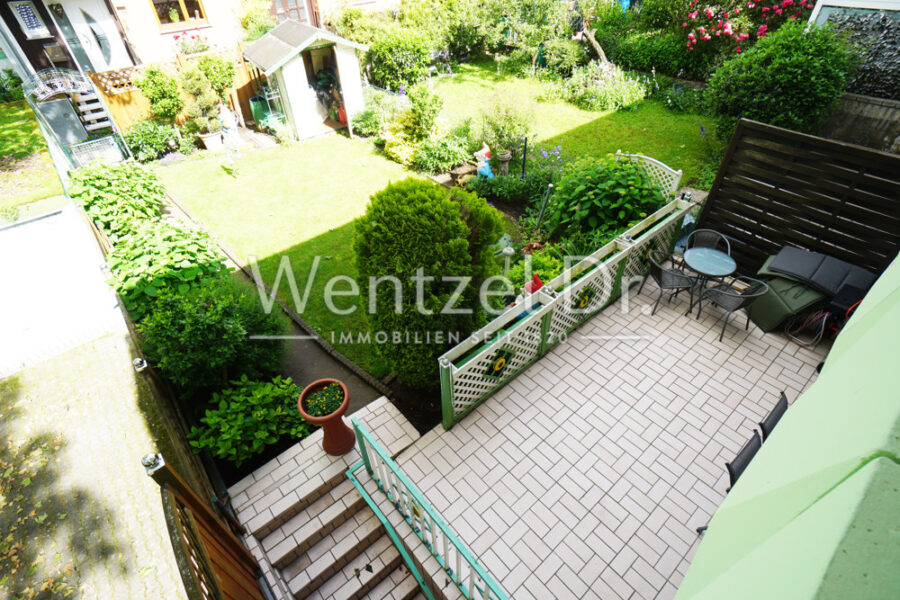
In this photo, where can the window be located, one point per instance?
(173, 12)
(291, 9)
(29, 20)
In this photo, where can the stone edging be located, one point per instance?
(328, 348)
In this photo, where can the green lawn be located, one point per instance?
(300, 201)
(649, 129)
(26, 171)
(297, 201)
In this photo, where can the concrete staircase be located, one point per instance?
(313, 533)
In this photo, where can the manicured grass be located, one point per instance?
(26, 171)
(301, 201)
(648, 129)
(297, 201)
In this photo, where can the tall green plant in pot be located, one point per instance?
(504, 127)
(202, 114)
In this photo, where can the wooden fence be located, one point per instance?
(128, 105)
(777, 187)
(867, 121)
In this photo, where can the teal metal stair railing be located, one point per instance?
(460, 565)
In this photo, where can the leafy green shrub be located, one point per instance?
(424, 109)
(218, 71)
(662, 51)
(10, 86)
(159, 255)
(118, 198)
(198, 337)
(510, 189)
(322, 403)
(409, 130)
(663, 14)
(681, 98)
(598, 86)
(161, 90)
(256, 19)
(440, 154)
(367, 123)
(398, 58)
(546, 264)
(518, 63)
(562, 55)
(791, 78)
(202, 114)
(359, 25)
(149, 140)
(601, 195)
(249, 416)
(504, 125)
(418, 226)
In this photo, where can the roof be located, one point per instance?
(287, 40)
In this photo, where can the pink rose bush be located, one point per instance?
(728, 24)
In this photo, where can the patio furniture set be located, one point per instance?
(708, 254)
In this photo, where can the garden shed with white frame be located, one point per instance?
(314, 73)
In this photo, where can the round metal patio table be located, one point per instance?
(709, 262)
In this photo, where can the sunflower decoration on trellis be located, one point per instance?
(499, 362)
(583, 299)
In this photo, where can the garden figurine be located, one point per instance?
(229, 128)
(483, 158)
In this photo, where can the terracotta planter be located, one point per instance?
(503, 160)
(212, 141)
(338, 439)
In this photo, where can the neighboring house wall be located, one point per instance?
(326, 9)
(153, 38)
(35, 44)
(298, 10)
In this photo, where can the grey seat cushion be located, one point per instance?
(825, 273)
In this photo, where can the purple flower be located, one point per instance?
(543, 154)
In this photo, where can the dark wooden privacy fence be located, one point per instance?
(777, 187)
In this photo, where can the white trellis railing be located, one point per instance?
(459, 564)
(494, 355)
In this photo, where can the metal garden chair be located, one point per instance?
(668, 280)
(731, 300)
(709, 238)
(737, 467)
(768, 424)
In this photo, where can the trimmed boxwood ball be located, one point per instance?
(791, 78)
(413, 225)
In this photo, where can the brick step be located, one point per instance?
(302, 531)
(358, 577)
(332, 553)
(399, 585)
(284, 499)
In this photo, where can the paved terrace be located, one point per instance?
(587, 475)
